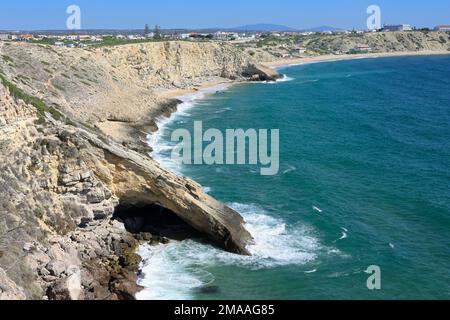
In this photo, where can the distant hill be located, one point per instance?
(322, 29)
(275, 27)
(263, 28)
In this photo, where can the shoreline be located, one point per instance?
(178, 94)
(288, 62)
(209, 87)
(282, 63)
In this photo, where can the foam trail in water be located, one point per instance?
(161, 278)
(317, 209)
(176, 270)
(311, 271)
(290, 169)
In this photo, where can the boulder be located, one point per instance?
(96, 195)
(68, 288)
(56, 268)
(257, 72)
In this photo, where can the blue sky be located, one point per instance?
(51, 14)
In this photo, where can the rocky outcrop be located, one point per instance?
(61, 181)
(257, 72)
(121, 89)
(121, 83)
(381, 42)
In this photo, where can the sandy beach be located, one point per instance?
(292, 61)
(176, 93)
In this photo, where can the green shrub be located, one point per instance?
(7, 58)
(41, 107)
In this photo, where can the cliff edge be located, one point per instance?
(63, 180)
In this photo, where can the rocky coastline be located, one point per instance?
(78, 190)
(76, 201)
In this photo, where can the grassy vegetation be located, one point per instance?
(275, 41)
(41, 107)
(44, 41)
(7, 59)
(112, 41)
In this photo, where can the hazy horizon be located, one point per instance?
(198, 14)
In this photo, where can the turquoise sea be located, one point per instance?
(367, 143)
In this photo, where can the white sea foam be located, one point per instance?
(317, 209)
(284, 79)
(311, 271)
(290, 169)
(157, 140)
(174, 271)
(164, 275)
(308, 81)
(275, 244)
(344, 236)
(207, 189)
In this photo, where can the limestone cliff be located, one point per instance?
(340, 43)
(62, 179)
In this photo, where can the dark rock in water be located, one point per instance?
(158, 239)
(258, 72)
(144, 236)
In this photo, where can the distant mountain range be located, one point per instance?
(263, 28)
(322, 29)
(281, 28)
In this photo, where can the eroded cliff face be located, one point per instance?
(121, 89)
(61, 180)
(121, 83)
(383, 41)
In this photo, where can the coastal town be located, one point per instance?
(81, 39)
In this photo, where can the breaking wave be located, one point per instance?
(177, 270)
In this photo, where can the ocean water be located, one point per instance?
(364, 180)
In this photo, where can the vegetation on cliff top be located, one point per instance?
(41, 107)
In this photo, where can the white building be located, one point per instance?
(185, 36)
(397, 27)
(299, 50)
(4, 37)
(443, 27)
(362, 48)
(225, 36)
